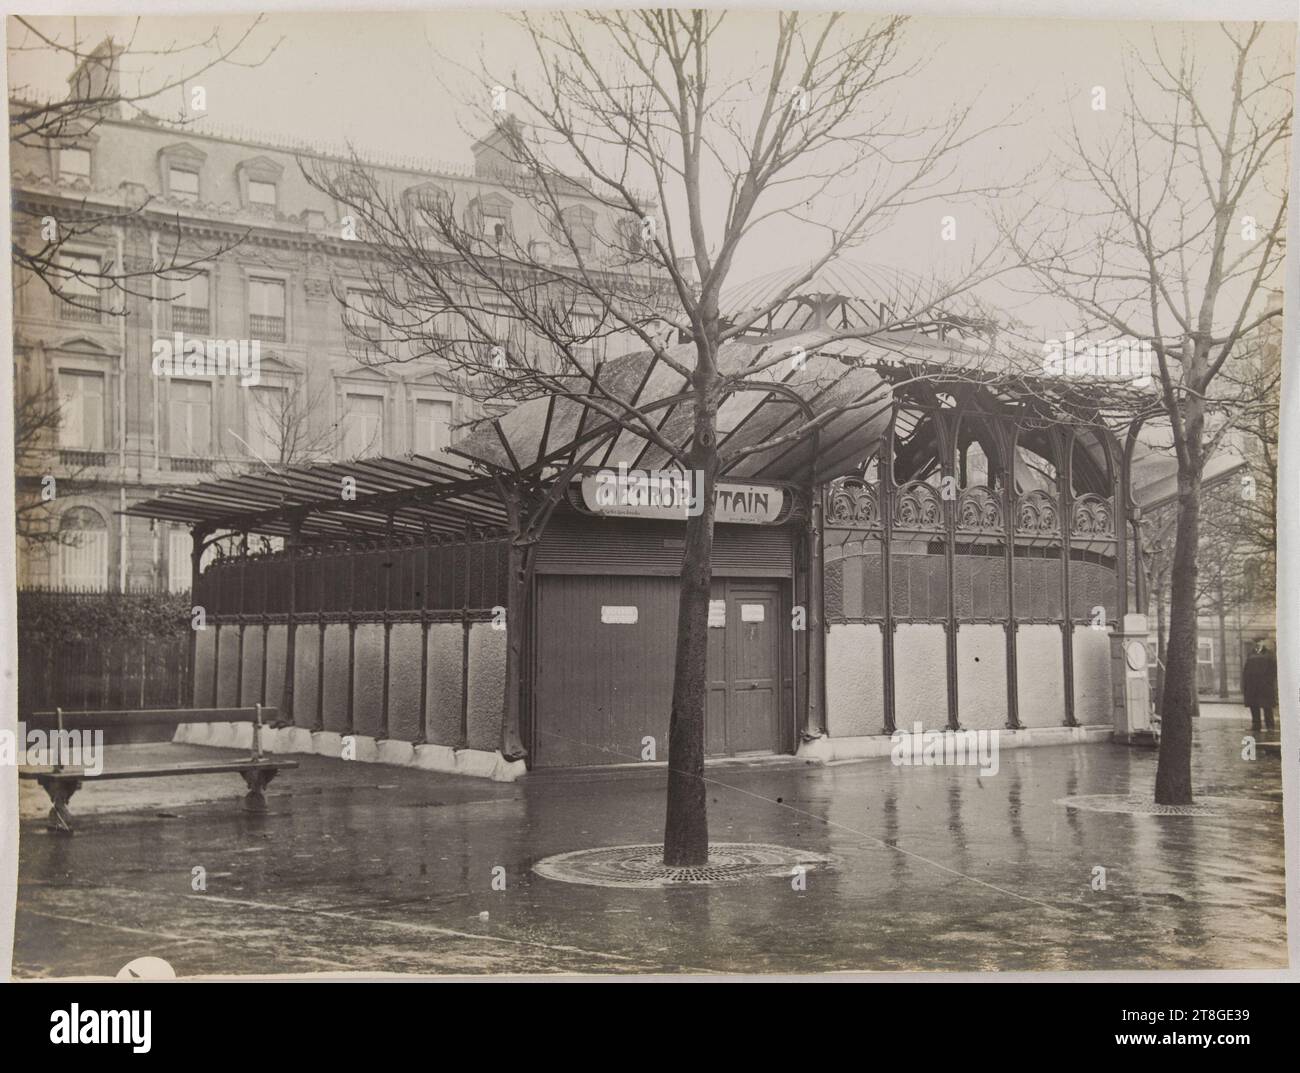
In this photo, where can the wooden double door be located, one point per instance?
(603, 669)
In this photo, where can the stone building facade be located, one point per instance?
(124, 434)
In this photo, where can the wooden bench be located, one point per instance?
(61, 782)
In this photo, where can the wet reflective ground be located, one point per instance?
(377, 869)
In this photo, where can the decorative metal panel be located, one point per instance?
(1038, 515)
(852, 503)
(1093, 518)
(917, 506)
(979, 510)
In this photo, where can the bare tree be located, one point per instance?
(1170, 230)
(1253, 385)
(611, 101)
(289, 429)
(42, 232)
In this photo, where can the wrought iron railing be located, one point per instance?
(189, 319)
(268, 328)
(78, 457)
(87, 310)
(188, 464)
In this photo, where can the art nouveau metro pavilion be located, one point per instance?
(954, 550)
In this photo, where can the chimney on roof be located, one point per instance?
(494, 154)
(96, 79)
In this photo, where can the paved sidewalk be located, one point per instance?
(361, 867)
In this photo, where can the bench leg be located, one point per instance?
(60, 791)
(255, 799)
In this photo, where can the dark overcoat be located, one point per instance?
(1259, 680)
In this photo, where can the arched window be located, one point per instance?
(83, 550)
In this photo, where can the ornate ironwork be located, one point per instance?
(917, 506)
(853, 503)
(979, 510)
(1037, 514)
(1092, 517)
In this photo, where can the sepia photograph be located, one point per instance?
(647, 493)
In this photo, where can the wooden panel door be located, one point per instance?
(603, 683)
(753, 668)
(718, 684)
(601, 687)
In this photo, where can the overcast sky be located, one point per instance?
(373, 79)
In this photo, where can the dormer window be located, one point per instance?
(489, 218)
(261, 193)
(183, 184)
(74, 165)
(579, 224)
(259, 183)
(427, 205)
(179, 167)
(495, 228)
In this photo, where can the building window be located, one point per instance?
(489, 216)
(1205, 650)
(189, 304)
(190, 412)
(83, 550)
(496, 227)
(79, 286)
(447, 326)
(363, 425)
(179, 546)
(74, 164)
(269, 432)
(362, 326)
(81, 411)
(587, 348)
(261, 193)
(580, 225)
(183, 184)
(428, 206)
(266, 309)
(432, 426)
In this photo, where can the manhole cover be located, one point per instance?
(643, 866)
(1144, 805)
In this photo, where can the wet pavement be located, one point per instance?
(367, 868)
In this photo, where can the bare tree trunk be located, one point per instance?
(1174, 769)
(1162, 649)
(686, 828)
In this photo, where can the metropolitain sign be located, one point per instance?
(675, 495)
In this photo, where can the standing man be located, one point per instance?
(1259, 685)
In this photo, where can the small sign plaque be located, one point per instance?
(618, 614)
(671, 495)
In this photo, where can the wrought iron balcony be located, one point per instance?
(81, 458)
(80, 313)
(191, 319)
(187, 464)
(268, 328)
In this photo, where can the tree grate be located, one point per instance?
(643, 866)
(1144, 805)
